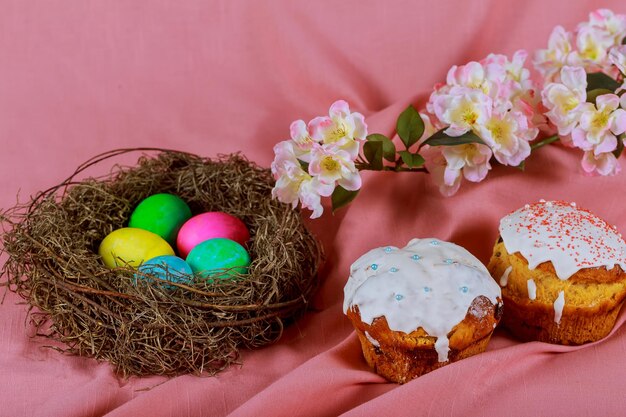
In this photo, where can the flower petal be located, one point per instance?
(607, 101)
(618, 124)
(351, 181)
(574, 77)
(318, 127)
(339, 109)
(607, 144)
(579, 138)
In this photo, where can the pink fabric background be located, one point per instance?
(81, 77)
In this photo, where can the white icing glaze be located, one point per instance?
(569, 237)
(504, 279)
(532, 289)
(559, 303)
(371, 339)
(429, 284)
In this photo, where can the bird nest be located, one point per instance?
(155, 327)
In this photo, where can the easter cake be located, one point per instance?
(561, 269)
(421, 307)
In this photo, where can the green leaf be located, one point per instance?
(410, 126)
(441, 139)
(373, 152)
(598, 80)
(521, 166)
(342, 197)
(624, 41)
(593, 94)
(389, 149)
(412, 160)
(620, 146)
(304, 165)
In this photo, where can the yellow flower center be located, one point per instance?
(600, 120)
(499, 130)
(591, 51)
(470, 151)
(337, 133)
(469, 116)
(329, 164)
(569, 104)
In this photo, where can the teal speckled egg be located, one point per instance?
(212, 257)
(162, 214)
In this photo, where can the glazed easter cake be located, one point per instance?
(421, 307)
(561, 269)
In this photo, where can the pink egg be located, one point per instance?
(207, 226)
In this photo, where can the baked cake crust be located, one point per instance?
(401, 357)
(594, 298)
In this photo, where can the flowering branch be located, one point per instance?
(487, 111)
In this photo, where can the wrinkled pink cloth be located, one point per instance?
(80, 78)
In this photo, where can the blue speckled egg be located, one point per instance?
(167, 267)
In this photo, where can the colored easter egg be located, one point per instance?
(130, 247)
(167, 267)
(213, 256)
(211, 225)
(163, 214)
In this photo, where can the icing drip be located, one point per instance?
(437, 282)
(442, 346)
(569, 237)
(559, 303)
(504, 279)
(372, 340)
(532, 289)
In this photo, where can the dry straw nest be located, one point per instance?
(150, 328)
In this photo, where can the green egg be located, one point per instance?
(213, 256)
(162, 214)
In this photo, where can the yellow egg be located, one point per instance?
(130, 247)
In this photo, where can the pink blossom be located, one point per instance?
(331, 164)
(516, 70)
(603, 164)
(592, 44)
(564, 99)
(293, 184)
(436, 165)
(508, 136)
(478, 76)
(462, 109)
(472, 159)
(599, 126)
(612, 24)
(512, 80)
(340, 127)
(287, 172)
(549, 61)
(586, 47)
(302, 140)
(310, 192)
(496, 100)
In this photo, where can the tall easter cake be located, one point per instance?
(418, 308)
(561, 269)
